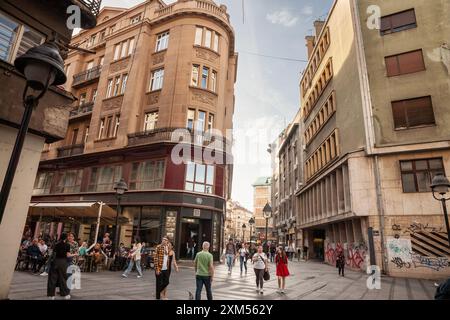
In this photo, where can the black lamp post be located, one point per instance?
(120, 187)
(251, 222)
(440, 185)
(243, 232)
(267, 212)
(42, 67)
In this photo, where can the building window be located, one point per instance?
(91, 41)
(101, 129)
(94, 95)
(157, 80)
(86, 134)
(147, 175)
(418, 174)
(210, 121)
(205, 77)
(116, 126)
(116, 86)
(201, 119)
(398, 22)
(82, 99)
(150, 120)
(199, 178)
(123, 49)
(412, 113)
(101, 60)
(198, 36)
(405, 63)
(195, 73)
(69, 181)
(16, 38)
(109, 88)
(210, 40)
(190, 119)
(103, 178)
(213, 81)
(124, 83)
(162, 41)
(43, 183)
(135, 19)
(102, 35)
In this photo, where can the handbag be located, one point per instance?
(266, 275)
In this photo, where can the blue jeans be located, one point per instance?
(200, 281)
(243, 262)
(130, 267)
(230, 261)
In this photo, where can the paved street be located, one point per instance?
(310, 281)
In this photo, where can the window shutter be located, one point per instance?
(411, 62)
(392, 66)
(420, 112)
(399, 114)
(403, 19)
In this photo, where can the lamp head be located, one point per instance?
(120, 187)
(440, 184)
(42, 66)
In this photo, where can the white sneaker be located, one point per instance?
(261, 291)
(283, 291)
(257, 289)
(139, 277)
(124, 275)
(67, 297)
(278, 291)
(51, 298)
(44, 274)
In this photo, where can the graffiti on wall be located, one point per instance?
(401, 254)
(355, 254)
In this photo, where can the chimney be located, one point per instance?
(318, 25)
(310, 43)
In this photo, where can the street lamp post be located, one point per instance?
(42, 67)
(120, 187)
(267, 212)
(251, 222)
(243, 232)
(440, 185)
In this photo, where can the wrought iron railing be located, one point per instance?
(90, 74)
(72, 150)
(177, 135)
(83, 109)
(92, 5)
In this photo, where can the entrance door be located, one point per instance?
(190, 229)
(318, 244)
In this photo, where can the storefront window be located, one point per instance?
(150, 225)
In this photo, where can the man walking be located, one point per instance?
(230, 252)
(161, 261)
(204, 272)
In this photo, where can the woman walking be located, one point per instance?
(281, 261)
(243, 256)
(135, 258)
(170, 259)
(340, 262)
(260, 266)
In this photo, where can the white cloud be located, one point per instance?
(282, 17)
(307, 10)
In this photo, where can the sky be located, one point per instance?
(267, 89)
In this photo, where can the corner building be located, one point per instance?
(149, 70)
(375, 115)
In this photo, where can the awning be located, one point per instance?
(72, 209)
(94, 209)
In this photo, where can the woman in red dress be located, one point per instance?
(281, 261)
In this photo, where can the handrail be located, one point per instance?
(87, 75)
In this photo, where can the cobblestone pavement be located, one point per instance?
(309, 281)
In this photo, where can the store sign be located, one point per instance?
(197, 212)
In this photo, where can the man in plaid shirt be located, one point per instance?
(161, 259)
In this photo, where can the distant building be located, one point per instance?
(262, 196)
(237, 217)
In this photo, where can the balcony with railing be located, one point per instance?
(176, 135)
(87, 76)
(71, 150)
(89, 11)
(195, 6)
(82, 110)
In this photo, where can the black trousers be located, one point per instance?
(341, 269)
(57, 277)
(162, 281)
